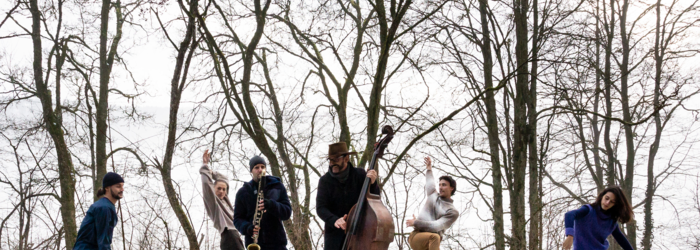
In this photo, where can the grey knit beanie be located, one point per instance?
(255, 161)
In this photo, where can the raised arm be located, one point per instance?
(211, 203)
(429, 179)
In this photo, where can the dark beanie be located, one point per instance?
(110, 179)
(255, 161)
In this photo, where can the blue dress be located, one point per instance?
(591, 227)
(96, 230)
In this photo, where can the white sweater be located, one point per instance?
(438, 214)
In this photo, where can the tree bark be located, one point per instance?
(492, 126)
(521, 130)
(182, 63)
(53, 125)
(107, 55)
(387, 34)
(627, 117)
(654, 147)
(534, 195)
(607, 78)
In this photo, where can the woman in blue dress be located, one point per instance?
(588, 227)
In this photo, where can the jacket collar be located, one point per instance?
(269, 180)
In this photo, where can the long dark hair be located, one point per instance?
(622, 211)
(101, 192)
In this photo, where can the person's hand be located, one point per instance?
(206, 157)
(428, 163)
(261, 205)
(409, 222)
(568, 242)
(256, 229)
(340, 223)
(372, 175)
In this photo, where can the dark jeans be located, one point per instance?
(231, 240)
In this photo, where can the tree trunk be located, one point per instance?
(607, 78)
(53, 125)
(297, 228)
(387, 34)
(596, 103)
(520, 128)
(177, 84)
(492, 126)
(534, 195)
(102, 105)
(654, 147)
(627, 117)
(107, 55)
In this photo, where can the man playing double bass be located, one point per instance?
(338, 191)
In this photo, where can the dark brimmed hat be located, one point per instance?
(338, 149)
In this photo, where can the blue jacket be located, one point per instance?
(97, 227)
(591, 228)
(272, 234)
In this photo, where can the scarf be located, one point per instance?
(341, 176)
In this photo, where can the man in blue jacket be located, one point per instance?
(96, 230)
(271, 233)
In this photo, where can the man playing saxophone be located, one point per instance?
(275, 208)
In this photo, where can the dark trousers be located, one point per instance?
(231, 240)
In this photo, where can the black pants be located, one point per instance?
(231, 240)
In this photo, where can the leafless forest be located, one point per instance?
(533, 106)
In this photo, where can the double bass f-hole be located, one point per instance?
(370, 225)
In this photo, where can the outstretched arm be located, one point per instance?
(569, 219)
(621, 239)
(571, 216)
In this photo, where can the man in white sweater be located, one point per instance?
(437, 215)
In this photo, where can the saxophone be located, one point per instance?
(258, 213)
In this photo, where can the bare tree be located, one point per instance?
(185, 52)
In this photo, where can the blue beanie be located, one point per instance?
(110, 179)
(255, 161)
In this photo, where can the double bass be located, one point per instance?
(370, 225)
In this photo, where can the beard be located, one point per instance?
(336, 166)
(116, 195)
